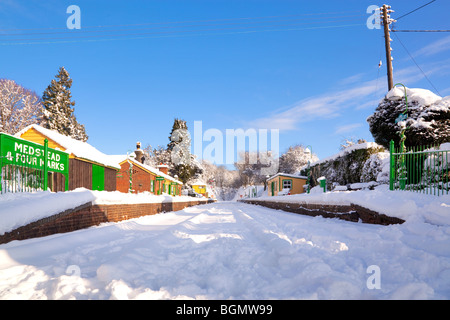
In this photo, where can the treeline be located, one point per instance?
(248, 170)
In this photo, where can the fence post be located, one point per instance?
(45, 165)
(1, 171)
(391, 166)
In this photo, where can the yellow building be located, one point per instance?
(200, 188)
(283, 184)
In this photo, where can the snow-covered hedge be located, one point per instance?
(362, 162)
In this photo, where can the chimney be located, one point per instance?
(164, 168)
(139, 153)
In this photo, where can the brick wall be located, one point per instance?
(350, 212)
(89, 215)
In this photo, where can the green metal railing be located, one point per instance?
(423, 169)
(16, 177)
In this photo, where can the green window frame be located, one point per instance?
(287, 180)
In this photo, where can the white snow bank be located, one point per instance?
(116, 197)
(20, 209)
(400, 204)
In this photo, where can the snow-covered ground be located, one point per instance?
(20, 209)
(406, 205)
(232, 250)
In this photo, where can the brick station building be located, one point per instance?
(138, 177)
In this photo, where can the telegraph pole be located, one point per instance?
(385, 10)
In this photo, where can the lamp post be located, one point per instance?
(308, 149)
(402, 117)
(130, 172)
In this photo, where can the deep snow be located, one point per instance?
(231, 250)
(20, 209)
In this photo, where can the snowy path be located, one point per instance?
(230, 250)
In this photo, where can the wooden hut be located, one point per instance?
(283, 183)
(88, 167)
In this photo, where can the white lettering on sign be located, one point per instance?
(30, 155)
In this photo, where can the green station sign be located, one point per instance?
(29, 154)
(19, 153)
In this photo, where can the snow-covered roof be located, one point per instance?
(78, 148)
(198, 182)
(288, 175)
(148, 168)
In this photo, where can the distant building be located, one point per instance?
(283, 183)
(200, 187)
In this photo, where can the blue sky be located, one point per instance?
(307, 68)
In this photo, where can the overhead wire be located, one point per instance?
(179, 29)
(415, 62)
(415, 10)
(420, 30)
(270, 23)
(171, 35)
(192, 21)
(404, 47)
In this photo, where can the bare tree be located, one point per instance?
(19, 107)
(251, 168)
(295, 158)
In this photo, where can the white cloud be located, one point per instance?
(333, 103)
(327, 106)
(347, 128)
(434, 47)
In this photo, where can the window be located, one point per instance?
(287, 184)
(152, 185)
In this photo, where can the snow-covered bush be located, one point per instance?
(376, 168)
(428, 119)
(354, 164)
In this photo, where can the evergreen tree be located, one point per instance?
(58, 107)
(179, 134)
(183, 163)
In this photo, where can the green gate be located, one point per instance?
(420, 169)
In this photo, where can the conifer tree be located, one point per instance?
(58, 107)
(183, 163)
